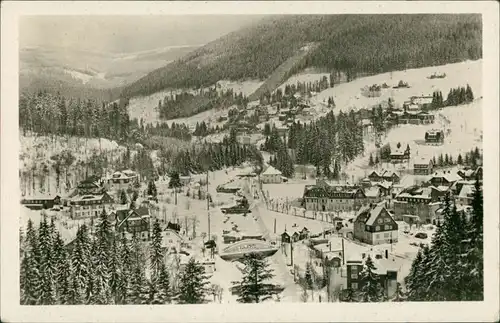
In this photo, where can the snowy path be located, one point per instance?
(292, 290)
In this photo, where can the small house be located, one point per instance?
(38, 202)
(136, 222)
(374, 225)
(171, 241)
(422, 166)
(434, 136)
(271, 176)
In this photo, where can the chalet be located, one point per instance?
(444, 178)
(374, 225)
(367, 126)
(91, 185)
(469, 174)
(434, 136)
(466, 195)
(425, 117)
(330, 251)
(38, 202)
(457, 186)
(122, 180)
(171, 241)
(347, 277)
(135, 222)
(271, 176)
(423, 102)
(399, 155)
(384, 175)
(373, 194)
(333, 197)
(89, 205)
(422, 166)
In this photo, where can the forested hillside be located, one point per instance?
(352, 44)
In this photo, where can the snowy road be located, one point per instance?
(292, 291)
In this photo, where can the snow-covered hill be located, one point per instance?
(348, 95)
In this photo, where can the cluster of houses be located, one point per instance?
(380, 192)
(413, 111)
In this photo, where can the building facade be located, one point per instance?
(85, 206)
(374, 225)
(271, 176)
(333, 197)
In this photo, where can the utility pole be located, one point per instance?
(291, 251)
(209, 237)
(274, 225)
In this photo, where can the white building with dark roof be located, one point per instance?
(374, 225)
(271, 176)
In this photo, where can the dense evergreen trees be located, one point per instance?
(193, 284)
(254, 288)
(452, 268)
(97, 267)
(348, 45)
(186, 104)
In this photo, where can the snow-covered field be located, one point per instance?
(245, 87)
(348, 95)
(304, 77)
(466, 134)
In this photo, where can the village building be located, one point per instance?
(135, 221)
(333, 197)
(434, 136)
(466, 195)
(384, 175)
(417, 203)
(399, 155)
(38, 202)
(347, 277)
(89, 205)
(271, 176)
(374, 225)
(470, 174)
(367, 126)
(91, 185)
(423, 101)
(172, 241)
(122, 180)
(444, 178)
(374, 194)
(422, 166)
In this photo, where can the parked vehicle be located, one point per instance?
(421, 235)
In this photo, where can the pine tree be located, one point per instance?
(81, 266)
(126, 260)
(156, 256)
(164, 284)
(115, 271)
(370, 161)
(29, 269)
(101, 257)
(413, 281)
(47, 264)
(63, 270)
(475, 254)
(192, 284)
(138, 292)
(371, 289)
(253, 286)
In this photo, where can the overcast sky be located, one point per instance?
(126, 33)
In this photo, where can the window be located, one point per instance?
(380, 220)
(387, 227)
(354, 275)
(387, 235)
(377, 236)
(387, 220)
(354, 285)
(377, 228)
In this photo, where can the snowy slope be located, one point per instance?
(348, 95)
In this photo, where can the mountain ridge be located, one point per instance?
(351, 44)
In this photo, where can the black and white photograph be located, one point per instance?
(167, 158)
